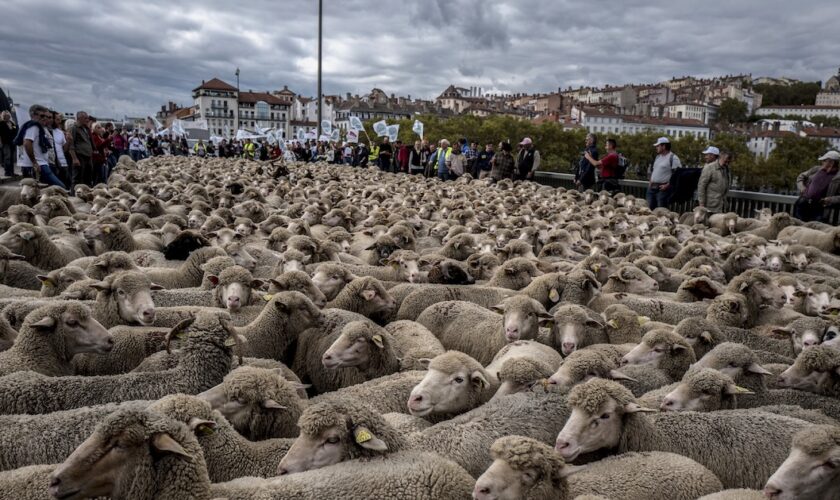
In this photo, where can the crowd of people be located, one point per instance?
(83, 151)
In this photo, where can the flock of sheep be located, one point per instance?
(230, 329)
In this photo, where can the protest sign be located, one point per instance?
(380, 128)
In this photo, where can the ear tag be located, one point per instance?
(205, 430)
(47, 283)
(230, 342)
(267, 297)
(553, 295)
(362, 435)
(106, 230)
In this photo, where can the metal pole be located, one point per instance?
(320, 29)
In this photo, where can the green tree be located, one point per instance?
(788, 95)
(732, 111)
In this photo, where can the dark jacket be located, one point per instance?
(585, 173)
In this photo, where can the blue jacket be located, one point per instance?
(42, 136)
(585, 171)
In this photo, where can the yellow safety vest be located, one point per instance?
(374, 153)
(248, 149)
(447, 152)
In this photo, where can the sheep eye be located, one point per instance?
(733, 365)
(121, 292)
(332, 440)
(459, 380)
(657, 349)
(71, 322)
(605, 416)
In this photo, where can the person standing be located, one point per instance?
(585, 171)
(527, 161)
(456, 163)
(386, 153)
(120, 145)
(502, 164)
(819, 189)
(429, 167)
(658, 192)
(81, 151)
(403, 152)
(101, 150)
(416, 159)
(135, 147)
(483, 162)
(363, 155)
(38, 147)
(61, 148)
(714, 180)
(607, 167)
(443, 154)
(8, 132)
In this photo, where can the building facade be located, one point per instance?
(807, 112)
(226, 110)
(600, 122)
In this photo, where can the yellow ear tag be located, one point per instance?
(230, 342)
(106, 230)
(553, 295)
(47, 283)
(642, 320)
(362, 435)
(596, 268)
(267, 297)
(613, 324)
(204, 430)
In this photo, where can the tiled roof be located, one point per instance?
(253, 97)
(215, 84)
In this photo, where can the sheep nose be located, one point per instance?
(149, 314)
(625, 361)
(666, 405)
(327, 357)
(561, 444)
(54, 481)
(772, 492)
(810, 343)
(568, 346)
(416, 399)
(282, 471)
(110, 341)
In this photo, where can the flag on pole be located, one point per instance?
(326, 127)
(418, 128)
(356, 123)
(380, 128)
(352, 136)
(335, 136)
(311, 135)
(393, 132)
(301, 135)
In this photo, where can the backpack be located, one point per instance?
(621, 168)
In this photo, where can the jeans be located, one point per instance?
(657, 197)
(48, 177)
(83, 174)
(136, 154)
(7, 159)
(808, 210)
(443, 174)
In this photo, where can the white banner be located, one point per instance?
(335, 136)
(380, 128)
(311, 135)
(200, 124)
(356, 123)
(301, 135)
(393, 132)
(352, 137)
(324, 138)
(178, 128)
(418, 128)
(326, 127)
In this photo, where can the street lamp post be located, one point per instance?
(320, 26)
(237, 79)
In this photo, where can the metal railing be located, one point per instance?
(743, 203)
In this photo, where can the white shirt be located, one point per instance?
(60, 141)
(40, 155)
(135, 144)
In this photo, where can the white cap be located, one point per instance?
(662, 140)
(711, 150)
(525, 141)
(831, 155)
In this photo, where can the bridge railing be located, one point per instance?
(743, 203)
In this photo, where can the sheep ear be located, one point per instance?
(613, 324)
(45, 280)
(283, 307)
(368, 294)
(257, 284)
(101, 286)
(371, 247)
(479, 379)
(368, 440)
(547, 322)
(15, 256)
(760, 370)
(567, 470)
(47, 323)
(617, 375)
(213, 279)
(707, 336)
(424, 362)
(593, 323)
(678, 347)
(27, 235)
(498, 308)
(164, 442)
(554, 295)
(782, 331)
(732, 390)
(377, 341)
(155, 286)
(637, 408)
(271, 404)
(200, 426)
(743, 286)
(278, 284)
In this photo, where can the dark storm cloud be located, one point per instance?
(120, 57)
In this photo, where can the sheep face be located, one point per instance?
(109, 455)
(445, 391)
(303, 285)
(586, 432)
(502, 482)
(812, 470)
(331, 281)
(704, 390)
(734, 360)
(22, 239)
(522, 317)
(815, 370)
(655, 347)
(407, 265)
(234, 295)
(804, 333)
(630, 279)
(569, 331)
(132, 297)
(241, 256)
(816, 300)
(5, 257)
(831, 338)
(580, 366)
(353, 347)
(81, 333)
(450, 272)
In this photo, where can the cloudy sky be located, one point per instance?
(118, 57)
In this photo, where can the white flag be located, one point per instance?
(301, 135)
(326, 127)
(393, 132)
(352, 136)
(356, 124)
(380, 128)
(311, 135)
(418, 128)
(324, 138)
(335, 136)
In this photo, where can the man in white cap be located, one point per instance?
(714, 181)
(819, 189)
(528, 160)
(659, 187)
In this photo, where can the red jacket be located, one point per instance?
(402, 157)
(100, 148)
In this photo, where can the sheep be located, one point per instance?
(297, 281)
(36, 247)
(527, 468)
(51, 336)
(518, 376)
(366, 296)
(227, 454)
(665, 311)
(118, 237)
(584, 364)
(189, 274)
(27, 194)
(804, 333)
(400, 265)
(365, 347)
(454, 383)
(472, 329)
(386, 394)
(233, 288)
(704, 437)
(132, 345)
(123, 298)
(703, 335)
(810, 471)
(331, 278)
(109, 263)
(623, 325)
(664, 350)
(448, 272)
(56, 281)
(630, 279)
(815, 300)
(418, 300)
(574, 327)
(183, 244)
(816, 370)
(482, 266)
(27, 483)
(414, 342)
(205, 361)
(17, 273)
(334, 432)
(514, 274)
(157, 457)
(826, 241)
